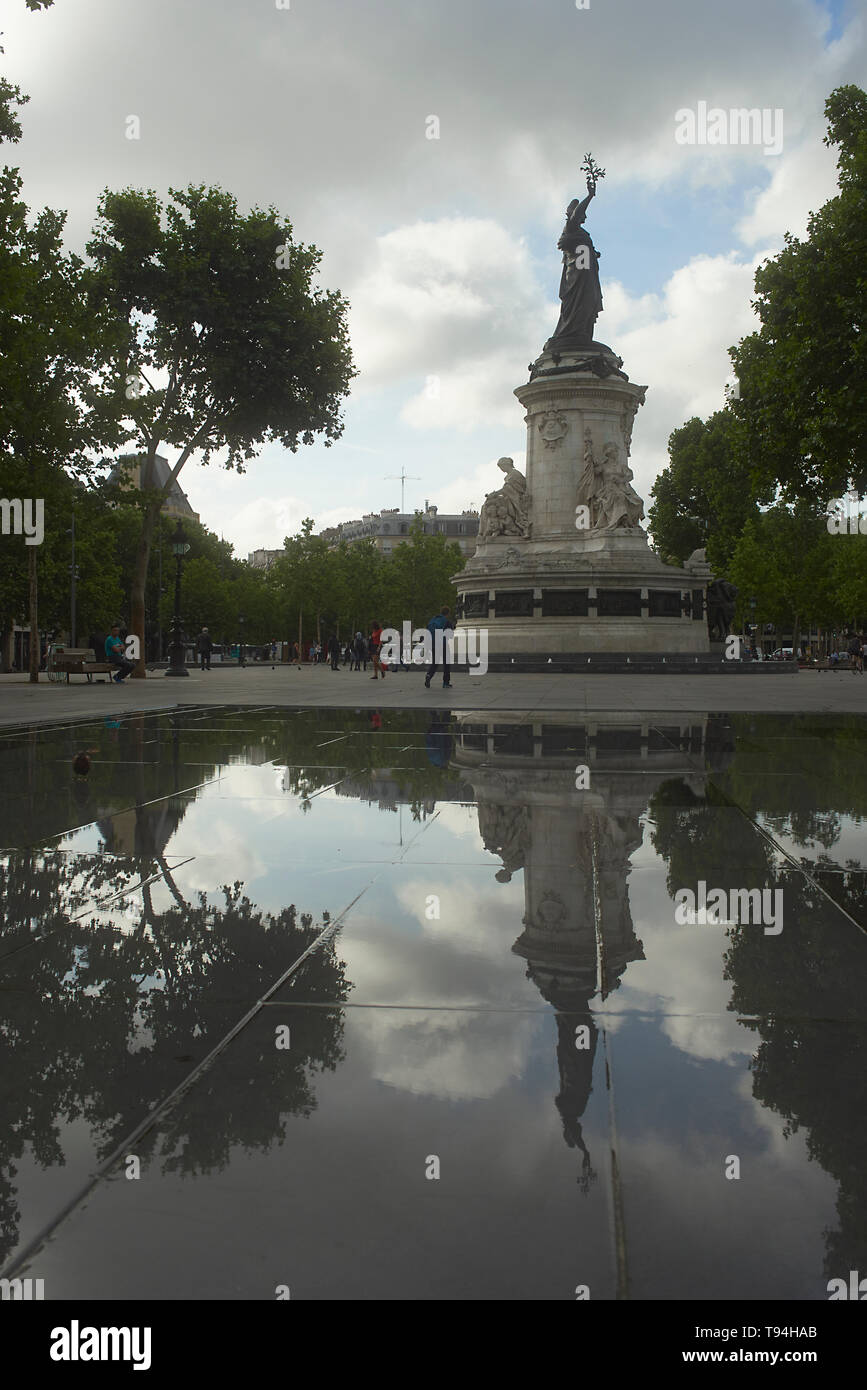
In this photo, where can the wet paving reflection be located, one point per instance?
(415, 991)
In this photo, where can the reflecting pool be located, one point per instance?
(400, 1005)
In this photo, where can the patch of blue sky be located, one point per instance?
(839, 13)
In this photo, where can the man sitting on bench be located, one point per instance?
(114, 653)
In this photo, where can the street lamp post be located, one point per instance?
(241, 661)
(180, 546)
(159, 601)
(73, 578)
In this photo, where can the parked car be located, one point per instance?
(782, 654)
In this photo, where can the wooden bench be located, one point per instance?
(834, 665)
(78, 661)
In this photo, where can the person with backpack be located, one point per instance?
(441, 623)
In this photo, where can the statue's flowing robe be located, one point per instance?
(580, 290)
(515, 491)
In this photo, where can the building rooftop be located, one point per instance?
(135, 470)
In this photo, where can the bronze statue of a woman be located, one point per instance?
(580, 290)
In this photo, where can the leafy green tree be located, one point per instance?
(704, 496)
(225, 330)
(803, 374)
(251, 596)
(350, 587)
(306, 583)
(785, 560)
(206, 600)
(417, 578)
(362, 569)
(54, 340)
(848, 579)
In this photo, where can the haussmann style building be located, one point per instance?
(391, 527)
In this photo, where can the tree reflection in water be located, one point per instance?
(804, 994)
(107, 1001)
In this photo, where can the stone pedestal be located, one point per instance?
(560, 583)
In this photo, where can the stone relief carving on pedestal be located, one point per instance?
(511, 558)
(551, 911)
(553, 428)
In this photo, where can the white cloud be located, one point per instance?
(454, 1055)
(321, 111)
(681, 977)
(440, 297)
(801, 183)
(226, 505)
(683, 353)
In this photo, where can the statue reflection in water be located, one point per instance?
(573, 844)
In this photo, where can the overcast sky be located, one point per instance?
(446, 248)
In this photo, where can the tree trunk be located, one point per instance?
(139, 580)
(796, 636)
(34, 615)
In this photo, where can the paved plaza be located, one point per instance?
(807, 691)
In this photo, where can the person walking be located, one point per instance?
(204, 645)
(359, 652)
(114, 654)
(854, 650)
(374, 643)
(334, 651)
(441, 623)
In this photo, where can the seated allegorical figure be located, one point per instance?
(506, 511)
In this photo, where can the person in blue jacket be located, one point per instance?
(441, 623)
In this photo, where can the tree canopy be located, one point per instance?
(228, 345)
(703, 498)
(803, 373)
